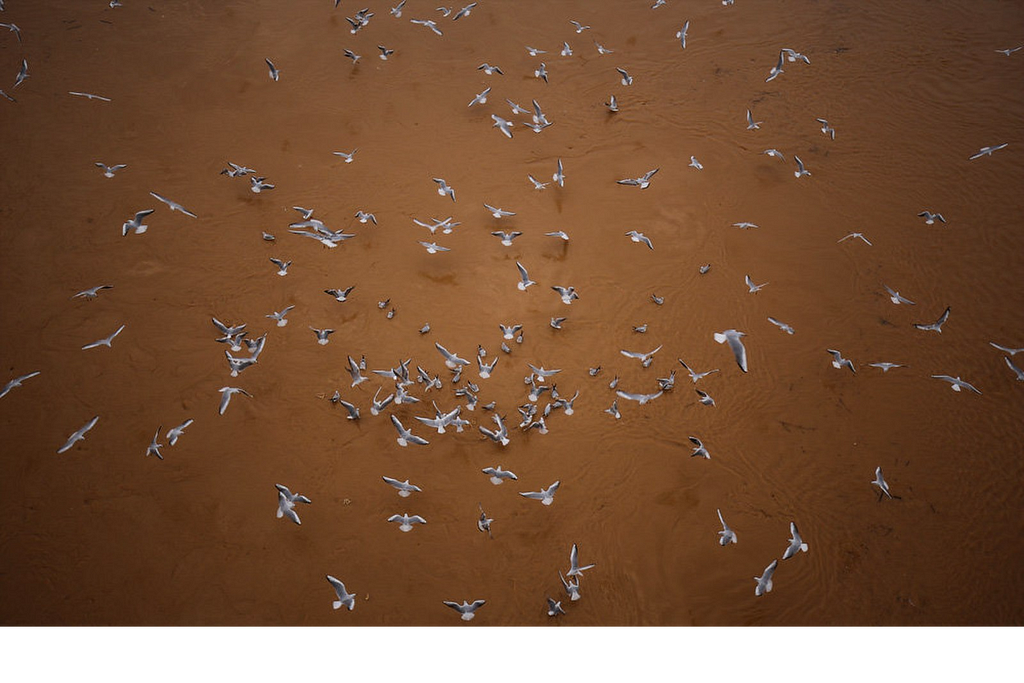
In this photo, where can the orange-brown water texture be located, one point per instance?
(104, 535)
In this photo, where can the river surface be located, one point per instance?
(104, 535)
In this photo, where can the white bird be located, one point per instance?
(286, 501)
(279, 316)
(754, 288)
(801, 171)
(572, 588)
(764, 582)
(937, 325)
(554, 608)
(895, 296)
(500, 435)
(175, 433)
(568, 294)
(574, 563)
(109, 171)
(385, 52)
(524, 278)
(433, 247)
(274, 73)
(827, 129)
(693, 374)
(363, 217)
(347, 156)
(155, 445)
(642, 399)
(22, 73)
(405, 437)
(506, 237)
(225, 398)
(396, 11)
(340, 295)
(640, 238)
(886, 367)
(498, 475)
(796, 544)
(930, 218)
(344, 597)
(106, 341)
(545, 496)
(681, 34)
(499, 213)
(405, 489)
(580, 28)
(541, 72)
(175, 206)
(777, 69)
(774, 153)
(429, 23)
(79, 435)
(406, 521)
(566, 50)
(793, 55)
(645, 358)
(353, 56)
(503, 125)
(559, 175)
(705, 398)
(322, 334)
(626, 78)
(857, 235)
(1010, 51)
(696, 164)
(537, 185)
(92, 292)
(257, 185)
(642, 182)
(16, 382)
(781, 325)
(480, 98)
(534, 51)
(467, 610)
(882, 485)
(444, 189)
(614, 410)
(490, 70)
(542, 372)
(987, 151)
(612, 104)
(838, 362)
(957, 383)
(751, 123)
(601, 49)
(452, 360)
(699, 451)
(736, 344)
(727, 535)
(1017, 371)
(136, 223)
(1006, 349)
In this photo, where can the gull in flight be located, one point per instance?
(574, 563)
(175, 433)
(751, 123)
(155, 445)
(509, 331)
(524, 278)
(451, 360)
(498, 475)
(827, 129)
(92, 292)
(353, 56)
(857, 235)
(344, 597)
(542, 372)
(236, 171)
(626, 78)
(364, 217)
(499, 213)
(752, 286)
(16, 382)
(175, 206)
(777, 69)
(838, 362)
(705, 398)
(882, 485)
(937, 325)
(106, 341)
(286, 501)
(353, 411)
(642, 399)
(896, 298)
(681, 34)
(640, 238)
(537, 185)
(567, 293)
(745, 225)
(796, 544)
(506, 237)
(612, 104)
(433, 247)
(109, 171)
(377, 406)
(561, 234)
(764, 582)
(774, 153)
(467, 610)
(340, 295)
(736, 344)
(79, 435)
(484, 523)
(274, 73)
(490, 70)
(559, 176)
(695, 375)
(956, 383)
(930, 218)
(727, 535)
(225, 398)
(545, 496)
(699, 451)
(987, 151)
(321, 335)
(405, 489)
(11, 27)
(444, 189)
(572, 588)
(405, 437)
(580, 28)
(481, 98)
(354, 370)
(793, 55)
(642, 182)
(406, 521)
(696, 164)
(614, 410)
(279, 316)
(1017, 371)
(541, 72)
(566, 50)
(534, 51)
(22, 73)
(886, 367)
(500, 435)
(1006, 349)
(347, 156)
(504, 125)
(801, 171)
(136, 223)
(645, 358)
(601, 49)
(385, 52)
(429, 23)
(781, 325)
(554, 608)
(1010, 51)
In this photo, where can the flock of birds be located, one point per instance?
(539, 380)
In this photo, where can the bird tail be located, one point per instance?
(337, 604)
(719, 337)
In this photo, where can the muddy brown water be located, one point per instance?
(104, 535)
